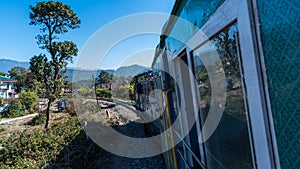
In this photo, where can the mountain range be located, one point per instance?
(76, 74)
(7, 64)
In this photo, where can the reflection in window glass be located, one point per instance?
(229, 146)
(193, 14)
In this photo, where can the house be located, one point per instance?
(107, 86)
(7, 87)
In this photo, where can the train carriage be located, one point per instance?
(143, 85)
(229, 46)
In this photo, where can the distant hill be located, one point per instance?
(78, 74)
(81, 74)
(7, 64)
(129, 70)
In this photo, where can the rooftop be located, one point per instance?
(7, 79)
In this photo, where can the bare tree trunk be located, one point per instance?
(48, 114)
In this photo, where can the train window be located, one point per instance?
(229, 146)
(139, 88)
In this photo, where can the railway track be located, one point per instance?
(136, 130)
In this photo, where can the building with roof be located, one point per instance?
(107, 86)
(7, 87)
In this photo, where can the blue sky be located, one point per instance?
(18, 37)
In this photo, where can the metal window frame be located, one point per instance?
(259, 48)
(187, 146)
(185, 50)
(183, 120)
(196, 102)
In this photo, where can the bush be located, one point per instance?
(29, 100)
(83, 91)
(34, 149)
(2, 129)
(2, 101)
(15, 109)
(38, 120)
(70, 108)
(103, 93)
(122, 92)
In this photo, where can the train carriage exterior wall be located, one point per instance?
(280, 37)
(258, 43)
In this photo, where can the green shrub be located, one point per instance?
(29, 100)
(70, 108)
(34, 149)
(2, 101)
(103, 93)
(1, 129)
(15, 109)
(38, 120)
(83, 91)
(123, 92)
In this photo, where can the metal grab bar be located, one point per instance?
(191, 151)
(186, 163)
(171, 127)
(165, 128)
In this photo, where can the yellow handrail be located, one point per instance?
(165, 128)
(171, 127)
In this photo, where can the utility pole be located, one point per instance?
(94, 80)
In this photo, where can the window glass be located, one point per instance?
(193, 14)
(229, 146)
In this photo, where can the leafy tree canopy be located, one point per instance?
(53, 18)
(17, 71)
(104, 77)
(22, 75)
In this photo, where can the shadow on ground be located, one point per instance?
(82, 153)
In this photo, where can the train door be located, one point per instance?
(192, 151)
(169, 112)
(240, 139)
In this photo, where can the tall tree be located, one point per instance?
(21, 74)
(104, 77)
(54, 19)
